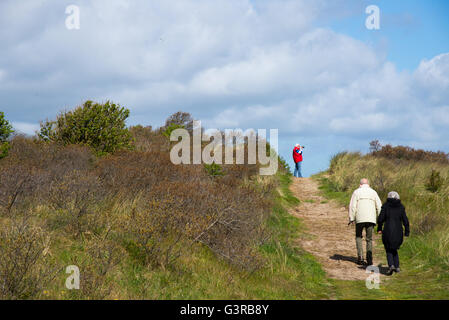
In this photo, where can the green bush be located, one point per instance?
(5, 132)
(100, 126)
(167, 132)
(213, 169)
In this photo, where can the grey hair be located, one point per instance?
(393, 195)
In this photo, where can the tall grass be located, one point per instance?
(427, 209)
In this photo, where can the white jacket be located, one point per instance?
(365, 205)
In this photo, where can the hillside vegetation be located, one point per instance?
(422, 180)
(89, 192)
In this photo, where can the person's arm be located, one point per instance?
(405, 223)
(378, 204)
(352, 207)
(381, 219)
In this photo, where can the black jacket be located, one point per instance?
(393, 216)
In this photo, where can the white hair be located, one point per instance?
(297, 145)
(393, 195)
(364, 181)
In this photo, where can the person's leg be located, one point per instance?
(396, 259)
(369, 243)
(296, 170)
(390, 259)
(299, 169)
(358, 240)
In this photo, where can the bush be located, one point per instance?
(5, 132)
(129, 203)
(75, 196)
(101, 255)
(213, 169)
(435, 181)
(100, 126)
(32, 167)
(180, 120)
(172, 127)
(146, 139)
(408, 153)
(24, 268)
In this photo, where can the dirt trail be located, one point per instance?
(329, 238)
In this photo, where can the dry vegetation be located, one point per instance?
(422, 180)
(65, 204)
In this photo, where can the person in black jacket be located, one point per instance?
(394, 217)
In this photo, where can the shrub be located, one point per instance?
(147, 139)
(15, 182)
(153, 233)
(97, 262)
(5, 132)
(76, 195)
(180, 120)
(32, 167)
(169, 129)
(213, 169)
(408, 153)
(100, 126)
(25, 269)
(435, 181)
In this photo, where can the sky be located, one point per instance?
(310, 69)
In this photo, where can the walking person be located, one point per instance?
(391, 219)
(297, 157)
(364, 208)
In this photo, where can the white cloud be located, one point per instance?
(24, 127)
(231, 63)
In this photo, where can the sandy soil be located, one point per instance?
(329, 238)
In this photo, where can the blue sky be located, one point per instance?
(410, 31)
(309, 68)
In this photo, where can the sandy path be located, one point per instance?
(329, 238)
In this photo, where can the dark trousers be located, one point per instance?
(392, 257)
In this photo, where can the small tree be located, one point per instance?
(5, 133)
(100, 126)
(180, 120)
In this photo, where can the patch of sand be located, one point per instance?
(329, 238)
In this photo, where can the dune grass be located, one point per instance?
(424, 255)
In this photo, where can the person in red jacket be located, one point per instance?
(297, 157)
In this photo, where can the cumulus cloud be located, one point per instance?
(231, 63)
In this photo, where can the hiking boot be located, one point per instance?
(390, 271)
(360, 261)
(397, 270)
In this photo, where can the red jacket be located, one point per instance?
(297, 154)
